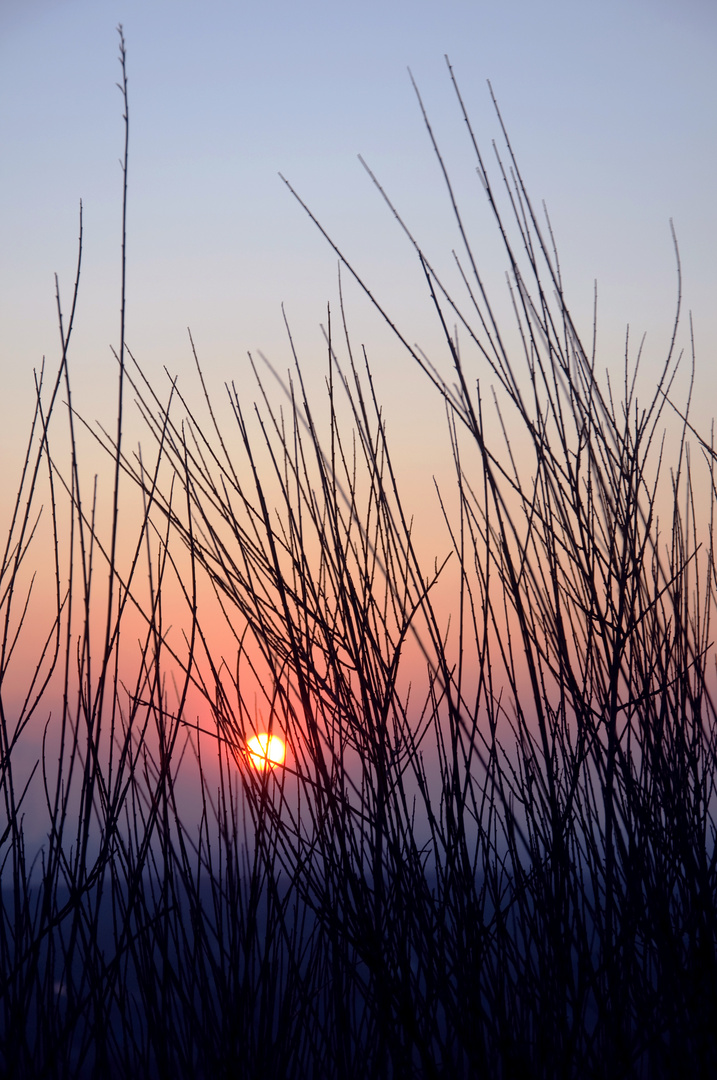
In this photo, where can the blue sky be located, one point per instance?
(611, 108)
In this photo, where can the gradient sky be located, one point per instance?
(612, 112)
(611, 109)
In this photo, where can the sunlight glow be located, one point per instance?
(266, 751)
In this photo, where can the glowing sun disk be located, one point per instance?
(266, 751)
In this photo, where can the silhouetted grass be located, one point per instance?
(505, 868)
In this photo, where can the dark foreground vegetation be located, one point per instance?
(505, 869)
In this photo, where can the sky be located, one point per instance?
(611, 109)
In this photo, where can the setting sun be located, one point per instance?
(266, 751)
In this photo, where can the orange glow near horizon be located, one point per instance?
(266, 751)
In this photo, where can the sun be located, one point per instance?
(266, 751)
